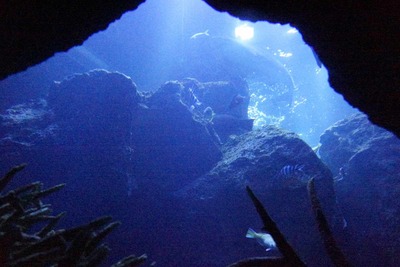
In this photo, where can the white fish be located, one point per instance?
(197, 35)
(263, 239)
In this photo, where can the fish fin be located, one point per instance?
(250, 233)
(300, 167)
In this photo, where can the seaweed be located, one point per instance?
(334, 252)
(22, 209)
(290, 257)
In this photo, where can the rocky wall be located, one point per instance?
(365, 160)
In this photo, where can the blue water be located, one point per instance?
(147, 176)
(151, 45)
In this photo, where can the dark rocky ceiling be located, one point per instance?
(358, 41)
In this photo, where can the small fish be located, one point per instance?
(263, 239)
(292, 176)
(292, 170)
(197, 35)
(341, 175)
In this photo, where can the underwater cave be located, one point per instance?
(167, 113)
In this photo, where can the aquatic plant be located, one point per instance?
(289, 258)
(22, 211)
(284, 247)
(334, 252)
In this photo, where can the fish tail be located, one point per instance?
(251, 233)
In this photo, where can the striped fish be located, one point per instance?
(292, 170)
(292, 176)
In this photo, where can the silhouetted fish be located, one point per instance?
(197, 35)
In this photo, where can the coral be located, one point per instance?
(22, 213)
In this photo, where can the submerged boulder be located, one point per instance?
(99, 123)
(366, 160)
(154, 161)
(260, 159)
(171, 147)
(119, 151)
(220, 105)
(78, 135)
(94, 107)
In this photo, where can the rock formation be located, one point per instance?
(365, 159)
(155, 162)
(256, 159)
(358, 43)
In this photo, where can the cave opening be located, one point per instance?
(98, 117)
(187, 38)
